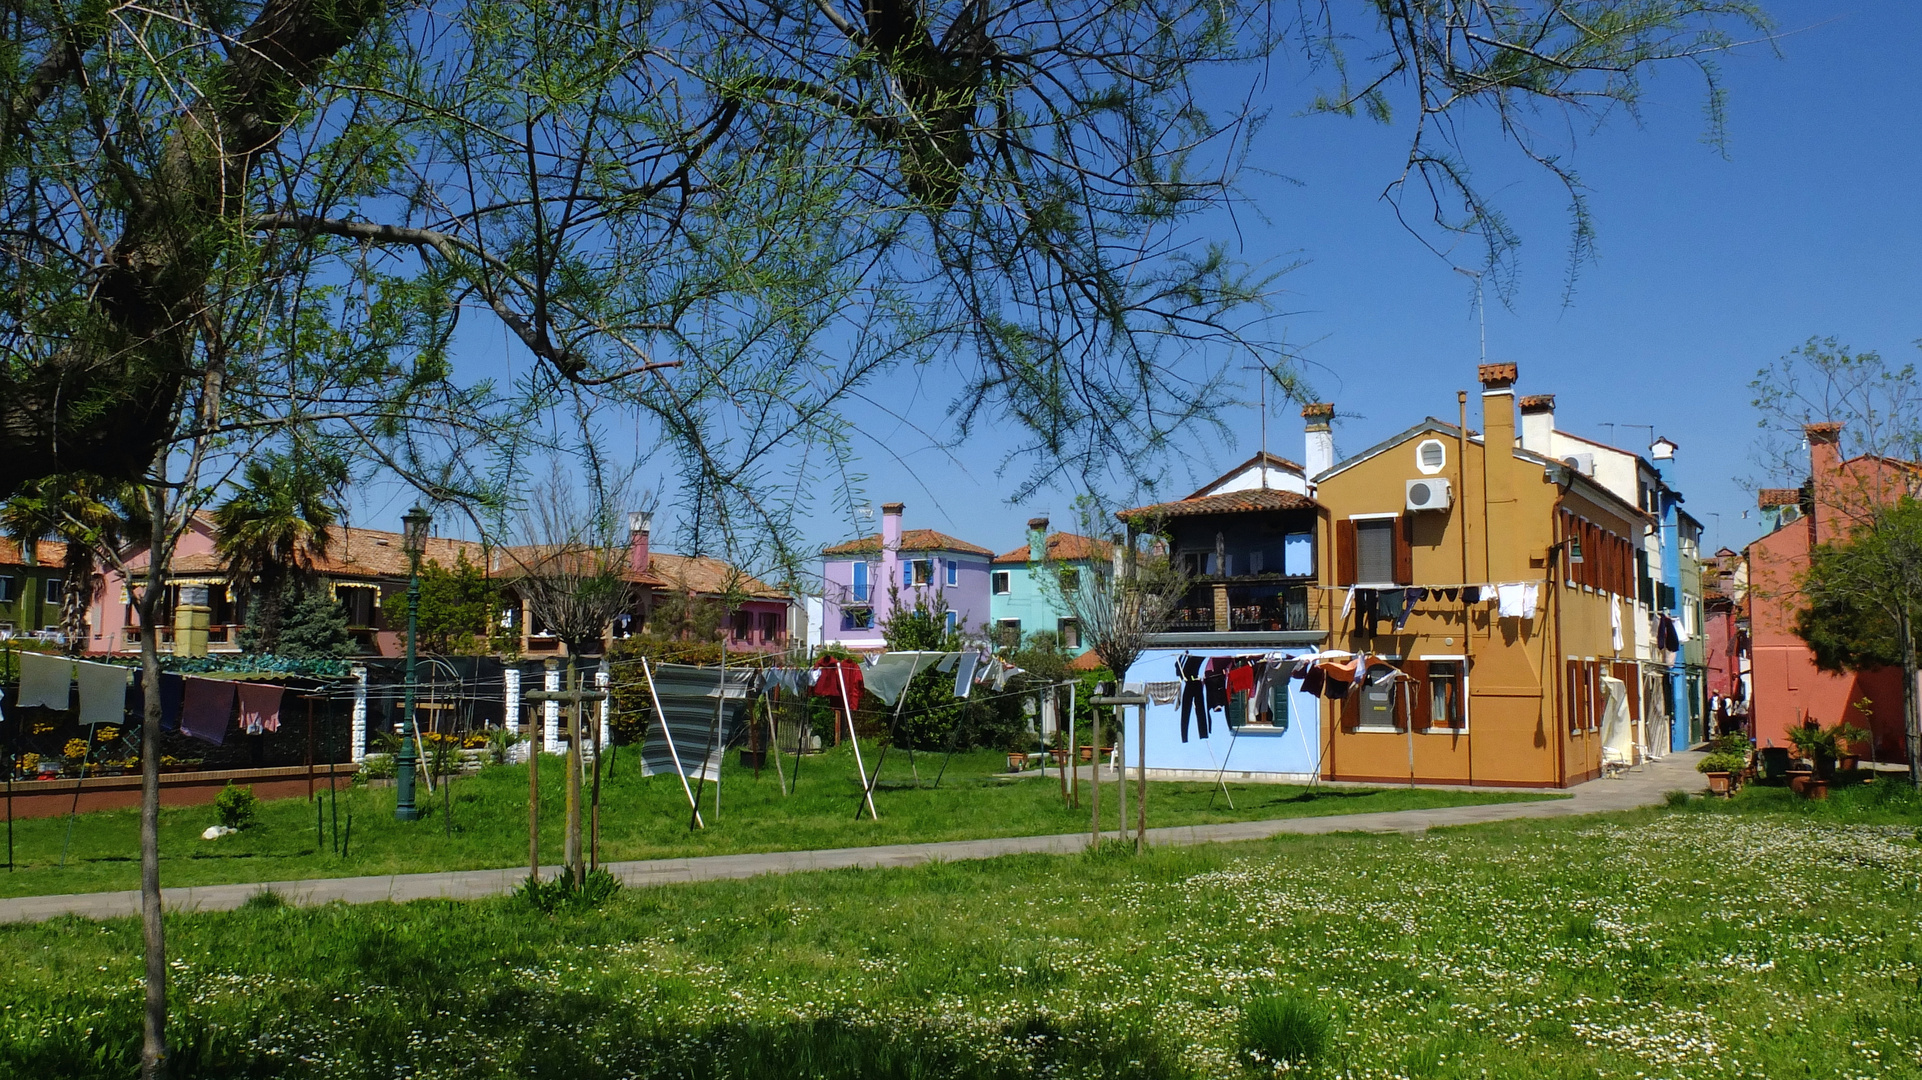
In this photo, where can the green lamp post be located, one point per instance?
(414, 538)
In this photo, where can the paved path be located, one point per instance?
(1642, 787)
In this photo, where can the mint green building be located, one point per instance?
(1017, 603)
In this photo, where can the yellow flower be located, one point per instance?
(75, 749)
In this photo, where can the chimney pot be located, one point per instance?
(1497, 376)
(1538, 424)
(893, 508)
(1824, 433)
(1318, 455)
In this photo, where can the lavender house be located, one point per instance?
(857, 576)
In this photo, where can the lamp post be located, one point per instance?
(414, 538)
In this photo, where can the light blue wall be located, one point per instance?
(1026, 601)
(1294, 751)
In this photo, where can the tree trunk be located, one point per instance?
(153, 1050)
(1911, 707)
(1094, 776)
(573, 844)
(77, 590)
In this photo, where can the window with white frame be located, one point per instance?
(920, 572)
(7, 594)
(55, 590)
(1002, 582)
(1444, 696)
(1068, 633)
(1008, 632)
(1070, 579)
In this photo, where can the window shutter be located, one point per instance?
(1405, 549)
(1344, 552)
(1417, 691)
(1571, 695)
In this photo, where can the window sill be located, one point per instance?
(1438, 730)
(1362, 729)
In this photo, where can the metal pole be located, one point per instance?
(404, 808)
(1141, 778)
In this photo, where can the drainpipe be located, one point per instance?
(1461, 496)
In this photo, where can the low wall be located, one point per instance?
(51, 798)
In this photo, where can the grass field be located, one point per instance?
(1759, 938)
(641, 818)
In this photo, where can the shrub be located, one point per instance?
(559, 893)
(376, 767)
(1721, 762)
(1283, 1028)
(1675, 798)
(263, 900)
(237, 806)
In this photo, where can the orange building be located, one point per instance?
(1788, 688)
(1514, 662)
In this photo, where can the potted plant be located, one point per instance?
(1719, 767)
(1848, 740)
(1058, 748)
(1017, 746)
(1818, 748)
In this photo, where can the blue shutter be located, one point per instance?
(953, 619)
(951, 572)
(861, 580)
(907, 573)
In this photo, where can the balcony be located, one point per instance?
(1246, 607)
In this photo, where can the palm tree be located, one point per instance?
(88, 514)
(273, 528)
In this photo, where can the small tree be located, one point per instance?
(457, 608)
(315, 627)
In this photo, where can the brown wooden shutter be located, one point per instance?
(1405, 549)
(1345, 552)
(1572, 703)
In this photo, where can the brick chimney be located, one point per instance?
(1538, 424)
(1825, 478)
(1037, 539)
(639, 524)
(1498, 404)
(1318, 455)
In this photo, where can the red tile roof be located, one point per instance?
(911, 540)
(1781, 496)
(1063, 547)
(49, 552)
(1228, 502)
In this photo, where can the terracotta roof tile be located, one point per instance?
(911, 540)
(48, 552)
(1063, 547)
(1780, 496)
(1228, 502)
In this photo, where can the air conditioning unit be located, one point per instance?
(1581, 463)
(1428, 493)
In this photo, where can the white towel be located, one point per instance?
(964, 674)
(1512, 601)
(1615, 622)
(46, 680)
(1347, 603)
(103, 692)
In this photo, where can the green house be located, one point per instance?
(30, 587)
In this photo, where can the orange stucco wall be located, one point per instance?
(1500, 527)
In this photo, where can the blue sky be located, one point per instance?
(1708, 267)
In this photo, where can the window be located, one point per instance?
(358, 601)
(1196, 563)
(860, 581)
(1002, 582)
(770, 626)
(1298, 555)
(1255, 561)
(7, 594)
(1070, 579)
(1068, 633)
(1008, 632)
(1375, 551)
(954, 571)
(1430, 456)
(861, 618)
(1443, 695)
(741, 625)
(1378, 692)
(55, 589)
(919, 572)
(954, 621)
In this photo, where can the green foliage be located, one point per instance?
(500, 742)
(1284, 1029)
(1863, 590)
(315, 627)
(273, 527)
(236, 806)
(1721, 762)
(457, 608)
(1675, 799)
(562, 893)
(264, 900)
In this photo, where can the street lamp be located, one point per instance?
(414, 539)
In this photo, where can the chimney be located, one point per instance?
(1319, 455)
(1538, 424)
(639, 524)
(1037, 539)
(891, 526)
(1825, 476)
(1498, 405)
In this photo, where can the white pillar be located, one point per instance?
(511, 701)
(601, 681)
(551, 714)
(358, 736)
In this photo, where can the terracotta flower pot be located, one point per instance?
(1799, 780)
(1087, 754)
(1818, 789)
(1016, 761)
(1847, 761)
(1718, 784)
(1060, 757)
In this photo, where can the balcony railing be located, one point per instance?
(1267, 606)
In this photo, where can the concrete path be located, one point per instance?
(1641, 787)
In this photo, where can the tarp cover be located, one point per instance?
(688, 694)
(1618, 734)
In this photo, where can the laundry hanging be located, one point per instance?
(1615, 622)
(103, 692)
(964, 674)
(46, 681)
(1162, 693)
(260, 707)
(207, 705)
(688, 696)
(838, 676)
(887, 676)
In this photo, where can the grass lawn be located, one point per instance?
(1758, 938)
(641, 818)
